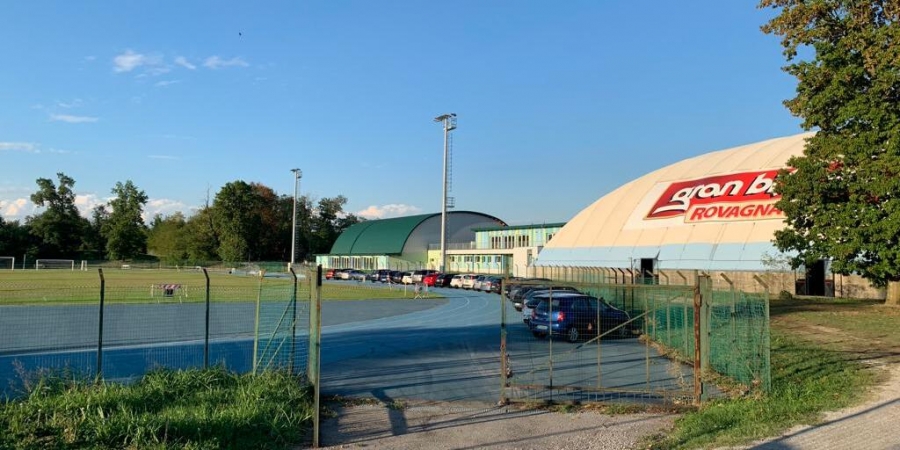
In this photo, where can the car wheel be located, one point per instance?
(572, 335)
(622, 333)
(539, 335)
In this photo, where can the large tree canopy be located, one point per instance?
(842, 202)
(124, 229)
(59, 227)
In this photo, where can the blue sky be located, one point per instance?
(559, 103)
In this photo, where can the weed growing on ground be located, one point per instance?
(197, 409)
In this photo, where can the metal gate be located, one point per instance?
(583, 347)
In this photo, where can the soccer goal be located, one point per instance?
(7, 262)
(65, 264)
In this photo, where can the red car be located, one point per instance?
(430, 278)
(329, 274)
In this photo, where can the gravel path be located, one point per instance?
(478, 426)
(872, 425)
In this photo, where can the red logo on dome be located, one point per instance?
(717, 198)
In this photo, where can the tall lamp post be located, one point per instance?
(297, 174)
(449, 122)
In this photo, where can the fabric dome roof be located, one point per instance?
(713, 211)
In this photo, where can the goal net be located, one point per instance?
(7, 262)
(66, 264)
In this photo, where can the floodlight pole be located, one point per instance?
(297, 174)
(449, 122)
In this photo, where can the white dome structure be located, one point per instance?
(711, 212)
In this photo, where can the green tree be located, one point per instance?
(237, 221)
(15, 240)
(94, 246)
(202, 236)
(328, 222)
(59, 227)
(168, 238)
(124, 229)
(843, 201)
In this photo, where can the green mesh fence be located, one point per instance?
(670, 319)
(739, 336)
(736, 324)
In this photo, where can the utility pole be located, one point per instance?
(449, 122)
(297, 174)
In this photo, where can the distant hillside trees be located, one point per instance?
(250, 222)
(242, 222)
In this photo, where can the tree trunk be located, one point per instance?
(893, 294)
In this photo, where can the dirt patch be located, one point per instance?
(480, 426)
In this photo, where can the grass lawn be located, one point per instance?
(195, 409)
(142, 286)
(825, 354)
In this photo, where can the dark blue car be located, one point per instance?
(576, 315)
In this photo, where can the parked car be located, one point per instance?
(372, 276)
(357, 275)
(397, 276)
(575, 315)
(468, 280)
(382, 275)
(487, 285)
(527, 308)
(418, 275)
(522, 283)
(523, 293)
(430, 279)
(456, 281)
(479, 279)
(444, 280)
(343, 274)
(407, 278)
(329, 274)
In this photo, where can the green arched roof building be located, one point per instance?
(408, 238)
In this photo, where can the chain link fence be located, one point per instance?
(680, 338)
(124, 323)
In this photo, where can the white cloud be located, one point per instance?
(128, 61)
(16, 209)
(165, 83)
(72, 119)
(164, 207)
(87, 202)
(388, 211)
(163, 157)
(90, 58)
(215, 62)
(183, 62)
(29, 147)
(73, 104)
